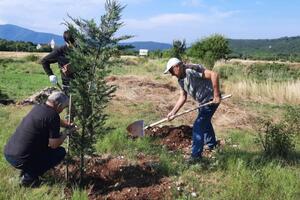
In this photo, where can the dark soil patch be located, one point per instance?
(174, 138)
(117, 178)
(39, 97)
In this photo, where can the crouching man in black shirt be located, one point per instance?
(34, 148)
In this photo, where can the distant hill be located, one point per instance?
(280, 46)
(260, 47)
(17, 33)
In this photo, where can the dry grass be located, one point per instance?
(13, 54)
(267, 92)
(251, 62)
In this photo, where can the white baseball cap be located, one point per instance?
(171, 63)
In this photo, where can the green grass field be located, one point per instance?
(237, 172)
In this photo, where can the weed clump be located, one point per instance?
(278, 139)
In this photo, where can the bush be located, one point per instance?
(278, 139)
(274, 71)
(210, 49)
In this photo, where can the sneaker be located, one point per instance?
(29, 181)
(208, 153)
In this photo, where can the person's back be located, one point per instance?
(195, 84)
(32, 135)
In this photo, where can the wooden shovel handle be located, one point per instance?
(187, 111)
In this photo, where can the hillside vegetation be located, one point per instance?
(286, 48)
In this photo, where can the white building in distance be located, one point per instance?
(52, 44)
(143, 52)
(38, 46)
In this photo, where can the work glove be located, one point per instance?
(53, 79)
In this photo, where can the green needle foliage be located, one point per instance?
(91, 58)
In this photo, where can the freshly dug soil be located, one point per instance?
(117, 178)
(173, 138)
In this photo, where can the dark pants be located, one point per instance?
(66, 82)
(203, 131)
(38, 164)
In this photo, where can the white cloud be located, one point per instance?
(2, 21)
(47, 16)
(164, 20)
(178, 19)
(223, 14)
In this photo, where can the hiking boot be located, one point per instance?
(29, 181)
(218, 144)
(207, 153)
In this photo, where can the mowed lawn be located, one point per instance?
(239, 171)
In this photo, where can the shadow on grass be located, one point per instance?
(4, 99)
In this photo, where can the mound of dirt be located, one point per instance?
(117, 178)
(178, 139)
(39, 97)
(173, 138)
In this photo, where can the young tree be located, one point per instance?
(210, 49)
(91, 58)
(178, 49)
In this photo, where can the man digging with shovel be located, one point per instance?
(203, 85)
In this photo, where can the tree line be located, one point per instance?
(6, 45)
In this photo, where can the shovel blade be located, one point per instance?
(136, 128)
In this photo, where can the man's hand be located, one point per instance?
(53, 79)
(170, 116)
(217, 99)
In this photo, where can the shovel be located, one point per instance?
(137, 128)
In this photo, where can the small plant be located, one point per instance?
(278, 139)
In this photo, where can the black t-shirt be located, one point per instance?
(32, 135)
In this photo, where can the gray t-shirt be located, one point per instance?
(195, 84)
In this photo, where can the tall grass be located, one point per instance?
(266, 92)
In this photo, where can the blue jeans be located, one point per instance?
(38, 164)
(203, 131)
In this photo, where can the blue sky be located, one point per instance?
(165, 20)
